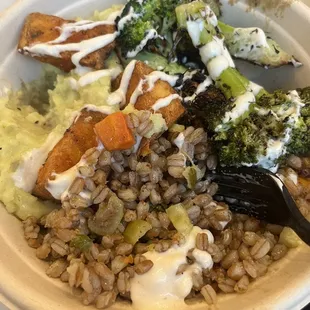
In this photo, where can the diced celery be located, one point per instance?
(136, 230)
(179, 218)
(190, 175)
(107, 218)
(289, 238)
(232, 83)
(81, 242)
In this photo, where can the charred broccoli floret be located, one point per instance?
(300, 138)
(138, 24)
(147, 24)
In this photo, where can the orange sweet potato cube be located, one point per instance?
(114, 133)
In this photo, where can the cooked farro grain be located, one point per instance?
(143, 266)
(101, 268)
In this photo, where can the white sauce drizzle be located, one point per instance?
(254, 88)
(154, 76)
(137, 144)
(59, 187)
(253, 38)
(194, 28)
(151, 79)
(119, 96)
(241, 105)
(94, 76)
(127, 18)
(164, 102)
(213, 49)
(137, 92)
(66, 30)
(277, 148)
(200, 88)
(210, 15)
(102, 109)
(161, 288)
(179, 141)
(27, 173)
(217, 66)
(152, 34)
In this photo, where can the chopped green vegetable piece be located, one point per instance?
(289, 238)
(176, 128)
(158, 62)
(179, 218)
(190, 175)
(107, 218)
(232, 83)
(136, 230)
(81, 242)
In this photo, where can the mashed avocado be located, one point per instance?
(32, 121)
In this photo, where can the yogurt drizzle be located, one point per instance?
(161, 287)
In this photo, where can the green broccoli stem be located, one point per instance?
(203, 32)
(252, 44)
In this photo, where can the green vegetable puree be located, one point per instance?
(41, 109)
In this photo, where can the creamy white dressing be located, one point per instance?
(194, 28)
(127, 18)
(254, 88)
(137, 144)
(152, 34)
(161, 288)
(94, 76)
(119, 96)
(137, 92)
(241, 105)
(164, 102)
(253, 38)
(179, 141)
(200, 88)
(66, 30)
(213, 49)
(150, 80)
(104, 109)
(202, 258)
(210, 16)
(27, 173)
(277, 148)
(154, 76)
(294, 111)
(59, 186)
(217, 66)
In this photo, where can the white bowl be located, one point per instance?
(23, 283)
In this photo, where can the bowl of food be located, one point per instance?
(115, 117)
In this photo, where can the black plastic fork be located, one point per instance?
(260, 193)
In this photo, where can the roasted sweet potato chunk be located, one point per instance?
(161, 89)
(68, 151)
(41, 28)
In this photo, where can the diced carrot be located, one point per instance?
(114, 133)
